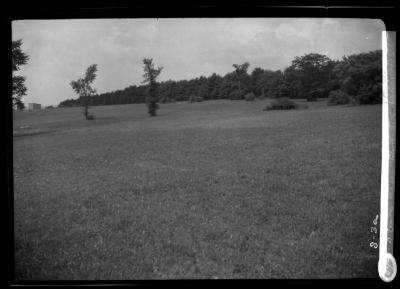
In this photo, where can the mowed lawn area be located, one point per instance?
(217, 189)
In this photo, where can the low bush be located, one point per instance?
(195, 98)
(312, 97)
(315, 94)
(250, 96)
(235, 95)
(261, 96)
(337, 97)
(371, 94)
(282, 104)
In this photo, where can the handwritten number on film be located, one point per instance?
(374, 230)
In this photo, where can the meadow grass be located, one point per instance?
(216, 189)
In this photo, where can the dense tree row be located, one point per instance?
(356, 77)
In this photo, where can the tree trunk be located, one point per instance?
(86, 108)
(152, 99)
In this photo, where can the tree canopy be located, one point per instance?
(150, 73)
(360, 76)
(310, 74)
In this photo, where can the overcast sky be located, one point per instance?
(61, 50)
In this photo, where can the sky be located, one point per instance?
(61, 50)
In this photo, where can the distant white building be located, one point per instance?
(34, 106)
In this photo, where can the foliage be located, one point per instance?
(150, 76)
(195, 98)
(283, 90)
(241, 83)
(360, 76)
(19, 104)
(225, 87)
(281, 104)
(204, 90)
(83, 88)
(235, 95)
(370, 94)
(261, 96)
(214, 82)
(313, 95)
(337, 97)
(18, 82)
(357, 75)
(309, 73)
(250, 96)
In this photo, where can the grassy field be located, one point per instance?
(218, 189)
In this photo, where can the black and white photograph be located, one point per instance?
(196, 148)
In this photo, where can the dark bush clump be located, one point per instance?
(261, 96)
(313, 95)
(235, 95)
(282, 103)
(250, 96)
(338, 97)
(195, 98)
(371, 94)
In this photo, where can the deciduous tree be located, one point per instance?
(83, 88)
(360, 76)
(241, 75)
(18, 82)
(312, 71)
(150, 76)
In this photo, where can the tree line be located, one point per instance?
(356, 78)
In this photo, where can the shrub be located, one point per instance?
(250, 96)
(261, 96)
(338, 97)
(313, 95)
(282, 103)
(235, 95)
(90, 117)
(370, 94)
(194, 98)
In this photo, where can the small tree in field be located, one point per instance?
(150, 76)
(83, 88)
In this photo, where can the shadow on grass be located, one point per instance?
(102, 118)
(17, 133)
